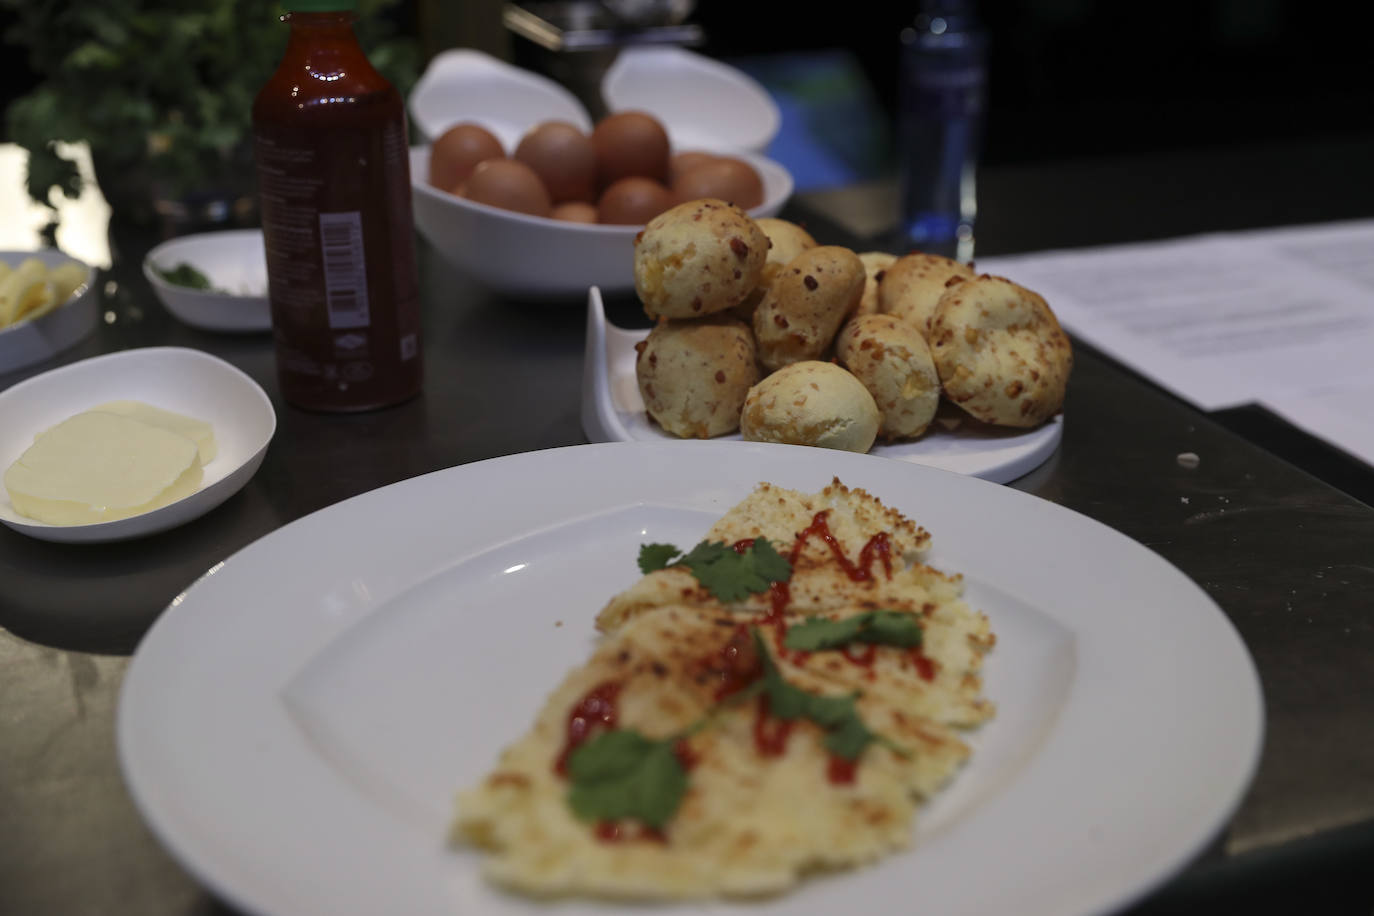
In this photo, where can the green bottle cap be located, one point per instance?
(320, 6)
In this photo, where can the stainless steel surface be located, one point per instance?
(1286, 556)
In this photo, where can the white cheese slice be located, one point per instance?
(98, 467)
(198, 431)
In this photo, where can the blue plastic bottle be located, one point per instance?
(940, 125)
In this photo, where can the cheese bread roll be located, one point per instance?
(1000, 352)
(806, 305)
(694, 375)
(914, 283)
(699, 258)
(892, 360)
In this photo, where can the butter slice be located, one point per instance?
(198, 431)
(98, 467)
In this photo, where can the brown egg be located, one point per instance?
(457, 151)
(563, 157)
(726, 178)
(509, 185)
(634, 201)
(575, 211)
(630, 143)
(682, 163)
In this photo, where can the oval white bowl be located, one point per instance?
(533, 257)
(699, 100)
(187, 381)
(465, 85)
(30, 342)
(233, 261)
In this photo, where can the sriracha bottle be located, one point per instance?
(333, 170)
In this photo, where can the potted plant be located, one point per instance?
(162, 92)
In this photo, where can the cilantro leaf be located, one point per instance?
(846, 734)
(849, 738)
(653, 557)
(768, 563)
(622, 774)
(883, 628)
(733, 575)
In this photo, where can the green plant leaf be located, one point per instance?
(846, 734)
(621, 774)
(653, 557)
(733, 575)
(881, 628)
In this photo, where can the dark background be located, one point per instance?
(1072, 78)
(1068, 78)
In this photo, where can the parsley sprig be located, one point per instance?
(622, 774)
(846, 734)
(880, 628)
(729, 574)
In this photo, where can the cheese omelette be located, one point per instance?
(759, 761)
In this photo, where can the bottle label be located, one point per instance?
(345, 271)
(341, 270)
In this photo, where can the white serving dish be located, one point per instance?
(186, 381)
(295, 726)
(464, 85)
(613, 411)
(702, 102)
(529, 256)
(234, 261)
(30, 342)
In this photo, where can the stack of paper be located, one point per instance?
(1283, 318)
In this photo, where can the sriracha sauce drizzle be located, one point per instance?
(596, 708)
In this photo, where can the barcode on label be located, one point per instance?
(345, 272)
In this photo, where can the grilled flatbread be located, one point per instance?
(767, 799)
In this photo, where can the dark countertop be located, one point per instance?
(1266, 524)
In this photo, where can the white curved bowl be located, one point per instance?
(234, 261)
(698, 99)
(30, 342)
(465, 85)
(175, 378)
(533, 257)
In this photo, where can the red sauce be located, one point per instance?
(596, 708)
(879, 547)
(841, 770)
(925, 667)
(615, 832)
(686, 757)
(736, 663)
(770, 734)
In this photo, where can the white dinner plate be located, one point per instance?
(613, 411)
(186, 381)
(295, 725)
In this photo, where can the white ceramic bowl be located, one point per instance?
(187, 381)
(30, 342)
(699, 100)
(533, 257)
(464, 85)
(235, 264)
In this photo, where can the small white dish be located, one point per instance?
(234, 262)
(613, 411)
(187, 381)
(516, 254)
(465, 85)
(30, 342)
(701, 102)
